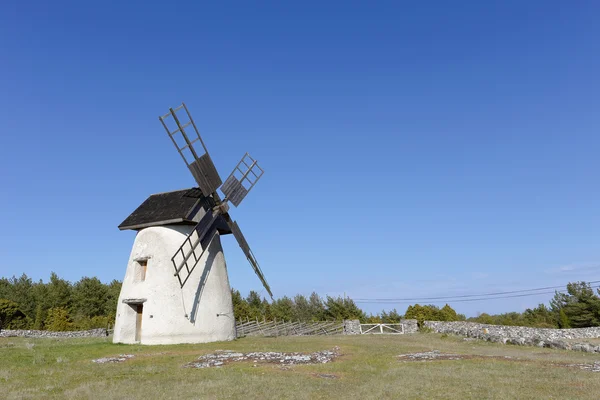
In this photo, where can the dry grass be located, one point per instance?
(595, 341)
(62, 368)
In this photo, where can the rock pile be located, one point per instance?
(223, 357)
(117, 359)
(429, 356)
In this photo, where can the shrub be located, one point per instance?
(58, 320)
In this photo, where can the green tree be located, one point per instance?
(266, 310)
(90, 297)
(58, 320)
(540, 317)
(375, 319)
(483, 318)
(283, 309)
(6, 289)
(392, 317)
(427, 313)
(340, 308)
(40, 316)
(316, 307)
(22, 294)
(11, 317)
(112, 297)
(580, 304)
(302, 308)
(241, 309)
(59, 293)
(563, 320)
(447, 313)
(255, 305)
(254, 299)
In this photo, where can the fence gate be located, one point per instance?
(379, 329)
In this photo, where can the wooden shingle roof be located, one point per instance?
(178, 207)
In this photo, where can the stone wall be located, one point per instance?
(351, 327)
(101, 332)
(410, 325)
(520, 335)
(472, 329)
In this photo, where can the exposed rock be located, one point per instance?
(117, 359)
(226, 356)
(595, 367)
(430, 355)
(434, 355)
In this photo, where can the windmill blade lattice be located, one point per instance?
(243, 178)
(187, 256)
(195, 157)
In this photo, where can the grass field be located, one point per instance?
(368, 369)
(594, 341)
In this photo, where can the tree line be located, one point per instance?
(57, 305)
(579, 307)
(315, 308)
(60, 305)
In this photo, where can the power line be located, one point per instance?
(471, 297)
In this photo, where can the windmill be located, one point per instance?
(176, 287)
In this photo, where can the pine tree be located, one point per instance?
(563, 320)
(40, 316)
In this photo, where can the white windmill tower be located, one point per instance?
(176, 288)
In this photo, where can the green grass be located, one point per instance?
(368, 369)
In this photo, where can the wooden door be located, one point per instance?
(138, 322)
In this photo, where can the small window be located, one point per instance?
(140, 270)
(143, 268)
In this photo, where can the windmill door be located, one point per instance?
(138, 322)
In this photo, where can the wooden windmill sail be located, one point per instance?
(245, 175)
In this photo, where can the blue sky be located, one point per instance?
(410, 149)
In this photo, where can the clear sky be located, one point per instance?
(411, 148)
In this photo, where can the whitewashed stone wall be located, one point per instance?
(101, 332)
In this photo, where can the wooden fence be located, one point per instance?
(288, 328)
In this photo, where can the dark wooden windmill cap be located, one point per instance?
(183, 207)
